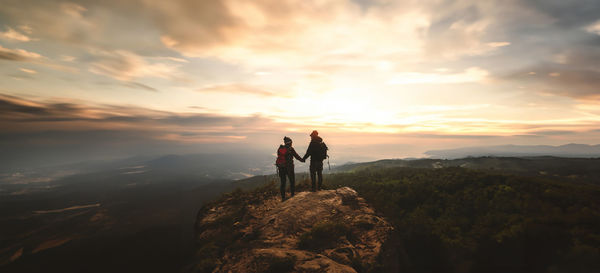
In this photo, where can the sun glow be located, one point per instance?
(348, 106)
(236, 68)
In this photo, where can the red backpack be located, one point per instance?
(282, 156)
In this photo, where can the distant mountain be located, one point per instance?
(568, 150)
(560, 168)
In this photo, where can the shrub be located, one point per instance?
(323, 235)
(281, 264)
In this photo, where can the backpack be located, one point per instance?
(322, 154)
(283, 155)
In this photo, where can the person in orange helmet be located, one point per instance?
(317, 150)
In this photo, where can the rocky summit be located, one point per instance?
(325, 231)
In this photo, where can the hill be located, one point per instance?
(326, 231)
(568, 150)
(565, 169)
(454, 219)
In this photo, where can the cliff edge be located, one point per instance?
(325, 231)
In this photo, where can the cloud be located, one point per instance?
(84, 25)
(58, 20)
(16, 110)
(288, 32)
(498, 44)
(187, 24)
(67, 58)
(27, 115)
(243, 89)
(22, 55)
(566, 14)
(20, 76)
(299, 34)
(138, 85)
(594, 28)
(72, 9)
(27, 29)
(459, 38)
(575, 73)
(13, 105)
(11, 34)
(295, 34)
(126, 66)
(19, 55)
(560, 80)
(36, 132)
(179, 60)
(455, 136)
(554, 132)
(28, 71)
(473, 74)
(291, 33)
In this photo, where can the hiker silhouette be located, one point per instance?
(285, 165)
(317, 150)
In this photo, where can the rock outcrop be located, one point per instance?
(325, 231)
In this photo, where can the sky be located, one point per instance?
(377, 79)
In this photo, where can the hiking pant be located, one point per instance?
(316, 172)
(289, 172)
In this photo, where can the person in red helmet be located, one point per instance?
(285, 165)
(317, 150)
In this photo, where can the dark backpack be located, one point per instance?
(322, 153)
(283, 155)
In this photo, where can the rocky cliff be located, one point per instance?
(326, 231)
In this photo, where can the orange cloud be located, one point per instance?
(11, 34)
(472, 74)
(125, 66)
(20, 55)
(290, 33)
(594, 28)
(244, 89)
(28, 71)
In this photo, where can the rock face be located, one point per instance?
(325, 231)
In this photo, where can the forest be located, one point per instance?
(460, 220)
(455, 219)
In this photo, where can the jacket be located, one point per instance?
(289, 160)
(314, 150)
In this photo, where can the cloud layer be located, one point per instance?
(182, 72)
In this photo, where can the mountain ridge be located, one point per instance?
(567, 150)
